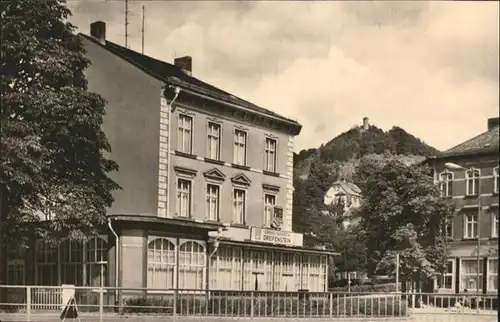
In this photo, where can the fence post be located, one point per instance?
(28, 303)
(174, 313)
(330, 298)
(101, 304)
(251, 304)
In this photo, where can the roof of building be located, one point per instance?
(174, 75)
(484, 142)
(349, 187)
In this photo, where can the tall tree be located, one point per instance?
(52, 145)
(403, 213)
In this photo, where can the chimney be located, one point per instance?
(492, 123)
(365, 123)
(185, 63)
(98, 31)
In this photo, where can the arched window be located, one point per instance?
(446, 181)
(472, 182)
(161, 264)
(191, 265)
(46, 263)
(96, 262)
(71, 262)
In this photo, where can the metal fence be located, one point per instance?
(33, 303)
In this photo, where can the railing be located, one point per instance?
(30, 302)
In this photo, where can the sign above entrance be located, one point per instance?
(272, 236)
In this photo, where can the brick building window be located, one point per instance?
(184, 198)
(446, 184)
(472, 182)
(470, 226)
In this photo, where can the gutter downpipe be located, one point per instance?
(117, 254)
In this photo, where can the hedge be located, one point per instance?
(379, 288)
(222, 305)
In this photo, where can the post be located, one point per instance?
(101, 304)
(330, 297)
(174, 313)
(397, 272)
(28, 303)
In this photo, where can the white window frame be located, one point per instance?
(240, 142)
(446, 184)
(185, 134)
(235, 220)
(492, 272)
(496, 174)
(210, 199)
(190, 263)
(471, 176)
(448, 274)
(167, 261)
(178, 209)
(214, 131)
(95, 255)
(269, 208)
(226, 268)
(471, 275)
(270, 155)
(258, 264)
(471, 219)
(449, 224)
(494, 224)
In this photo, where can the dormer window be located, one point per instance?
(472, 182)
(446, 184)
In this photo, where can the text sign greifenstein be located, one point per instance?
(272, 236)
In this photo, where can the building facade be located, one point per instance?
(207, 188)
(468, 174)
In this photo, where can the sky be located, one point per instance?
(431, 68)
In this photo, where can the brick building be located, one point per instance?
(207, 188)
(469, 175)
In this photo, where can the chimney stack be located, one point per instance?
(365, 124)
(493, 122)
(98, 31)
(185, 63)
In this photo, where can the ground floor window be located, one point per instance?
(161, 264)
(258, 270)
(191, 265)
(70, 262)
(226, 268)
(446, 280)
(314, 273)
(469, 275)
(286, 272)
(493, 274)
(164, 270)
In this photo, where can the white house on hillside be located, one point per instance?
(344, 191)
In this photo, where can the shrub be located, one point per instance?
(366, 288)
